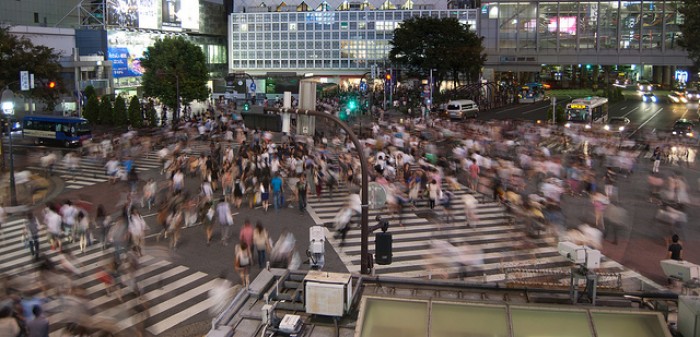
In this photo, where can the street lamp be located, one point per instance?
(8, 109)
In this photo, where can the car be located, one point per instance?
(692, 94)
(617, 124)
(677, 97)
(644, 86)
(649, 97)
(684, 127)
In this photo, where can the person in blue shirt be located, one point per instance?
(276, 184)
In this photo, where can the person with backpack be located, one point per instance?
(242, 263)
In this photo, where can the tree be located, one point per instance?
(135, 117)
(106, 111)
(91, 112)
(173, 60)
(151, 115)
(19, 53)
(89, 91)
(119, 112)
(444, 45)
(690, 29)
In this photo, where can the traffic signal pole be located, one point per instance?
(364, 166)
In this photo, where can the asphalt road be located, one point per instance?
(644, 116)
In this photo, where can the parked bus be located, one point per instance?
(66, 131)
(531, 93)
(587, 110)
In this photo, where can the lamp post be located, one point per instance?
(8, 108)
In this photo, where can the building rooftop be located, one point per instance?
(280, 302)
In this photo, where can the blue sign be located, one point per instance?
(363, 86)
(124, 64)
(252, 86)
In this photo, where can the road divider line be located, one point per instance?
(646, 121)
(629, 112)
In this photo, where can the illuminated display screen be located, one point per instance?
(176, 14)
(578, 106)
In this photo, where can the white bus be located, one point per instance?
(587, 111)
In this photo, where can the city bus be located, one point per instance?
(65, 131)
(587, 111)
(531, 93)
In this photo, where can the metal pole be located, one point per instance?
(364, 166)
(13, 192)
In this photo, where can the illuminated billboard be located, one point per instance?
(176, 14)
(125, 50)
(567, 25)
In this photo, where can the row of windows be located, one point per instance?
(311, 45)
(587, 25)
(346, 53)
(330, 17)
(301, 64)
(271, 40)
(317, 26)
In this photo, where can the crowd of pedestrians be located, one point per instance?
(527, 167)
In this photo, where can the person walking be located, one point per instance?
(39, 326)
(261, 240)
(82, 227)
(225, 218)
(302, 188)
(52, 221)
(137, 229)
(656, 157)
(242, 263)
(433, 193)
(277, 191)
(246, 234)
(31, 227)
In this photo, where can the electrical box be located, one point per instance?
(290, 324)
(680, 270)
(327, 293)
(689, 316)
(317, 239)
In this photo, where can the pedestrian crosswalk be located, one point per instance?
(497, 240)
(170, 293)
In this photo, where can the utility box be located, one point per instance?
(328, 294)
(689, 316)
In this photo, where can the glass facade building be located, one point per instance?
(346, 39)
(330, 42)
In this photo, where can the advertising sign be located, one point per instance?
(189, 14)
(148, 14)
(171, 14)
(123, 13)
(125, 49)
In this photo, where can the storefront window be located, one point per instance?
(568, 25)
(652, 25)
(508, 25)
(672, 19)
(549, 24)
(607, 24)
(527, 25)
(588, 25)
(630, 16)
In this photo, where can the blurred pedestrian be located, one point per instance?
(246, 234)
(302, 188)
(225, 218)
(8, 325)
(39, 326)
(137, 230)
(261, 240)
(31, 227)
(242, 263)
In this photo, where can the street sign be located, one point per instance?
(377, 195)
(252, 86)
(363, 86)
(24, 80)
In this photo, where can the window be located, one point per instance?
(36, 17)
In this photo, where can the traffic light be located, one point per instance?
(342, 115)
(352, 104)
(52, 85)
(246, 106)
(387, 76)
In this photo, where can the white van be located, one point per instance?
(462, 108)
